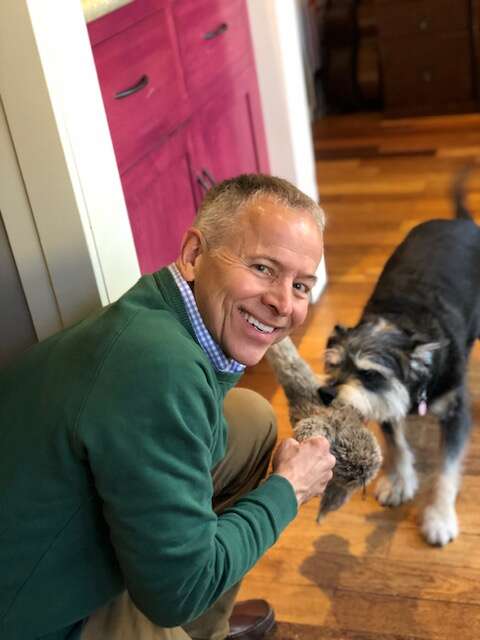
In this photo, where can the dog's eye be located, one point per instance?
(370, 376)
(330, 366)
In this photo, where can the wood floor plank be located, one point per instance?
(291, 631)
(332, 562)
(372, 614)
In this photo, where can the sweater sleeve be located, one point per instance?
(148, 430)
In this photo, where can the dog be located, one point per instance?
(408, 354)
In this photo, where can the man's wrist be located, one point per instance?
(299, 496)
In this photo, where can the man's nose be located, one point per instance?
(280, 297)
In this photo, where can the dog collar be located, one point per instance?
(422, 402)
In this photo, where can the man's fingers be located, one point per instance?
(317, 442)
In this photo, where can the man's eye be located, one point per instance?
(262, 268)
(302, 287)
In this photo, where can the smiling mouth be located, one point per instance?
(259, 326)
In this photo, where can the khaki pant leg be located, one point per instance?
(252, 436)
(121, 620)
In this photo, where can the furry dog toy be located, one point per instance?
(355, 448)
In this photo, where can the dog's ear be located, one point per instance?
(422, 353)
(340, 330)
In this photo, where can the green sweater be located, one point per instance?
(109, 431)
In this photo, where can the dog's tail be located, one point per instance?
(458, 194)
(296, 377)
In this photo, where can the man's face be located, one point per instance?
(253, 291)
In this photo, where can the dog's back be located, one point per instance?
(438, 259)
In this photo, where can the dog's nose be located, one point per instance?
(327, 394)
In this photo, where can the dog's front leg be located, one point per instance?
(399, 482)
(439, 520)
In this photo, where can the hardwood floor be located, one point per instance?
(366, 572)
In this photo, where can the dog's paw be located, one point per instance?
(395, 489)
(439, 524)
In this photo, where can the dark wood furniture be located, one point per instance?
(180, 91)
(428, 56)
(350, 70)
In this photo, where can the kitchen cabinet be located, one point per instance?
(180, 91)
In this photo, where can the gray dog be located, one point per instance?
(408, 354)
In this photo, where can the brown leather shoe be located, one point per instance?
(251, 620)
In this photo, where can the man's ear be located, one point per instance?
(191, 249)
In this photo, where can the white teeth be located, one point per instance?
(257, 324)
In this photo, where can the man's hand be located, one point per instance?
(307, 465)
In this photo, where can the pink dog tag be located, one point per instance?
(422, 408)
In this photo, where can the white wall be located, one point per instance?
(278, 55)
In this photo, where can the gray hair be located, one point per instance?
(226, 200)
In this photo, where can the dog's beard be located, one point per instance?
(390, 404)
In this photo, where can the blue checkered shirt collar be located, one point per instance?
(208, 344)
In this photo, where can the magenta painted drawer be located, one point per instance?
(142, 85)
(120, 19)
(214, 39)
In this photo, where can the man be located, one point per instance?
(132, 491)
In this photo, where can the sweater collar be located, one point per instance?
(189, 311)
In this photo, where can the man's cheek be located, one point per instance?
(301, 314)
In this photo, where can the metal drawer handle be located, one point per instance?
(209, 177)
(202, 183)
(128, 92)
(210, 35)
(202, 180)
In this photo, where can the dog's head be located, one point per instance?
(377, 368)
